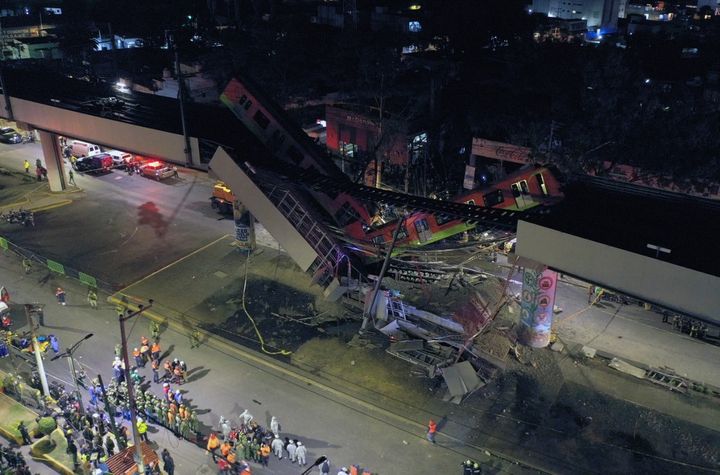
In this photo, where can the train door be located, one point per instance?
(423, 229)
(521, 193)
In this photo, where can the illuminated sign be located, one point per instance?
(500, 151)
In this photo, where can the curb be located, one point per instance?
(225, 346)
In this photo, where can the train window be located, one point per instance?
(422, 225)
(379, 239)
(515, 190)
(441, 219)
(261, 119)
(295, 155)
(495, 198)
(541, 184)
(242, 99)
(403, 233)
(248, 104)
(346, 215)
(524, 187)
(470, 202)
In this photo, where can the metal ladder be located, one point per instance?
(666, 377)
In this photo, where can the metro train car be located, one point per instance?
(525, 189)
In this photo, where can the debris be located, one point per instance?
(588, 352)
(627, 368)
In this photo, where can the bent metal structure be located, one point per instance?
(657, 247)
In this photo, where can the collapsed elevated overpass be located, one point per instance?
(657, 246)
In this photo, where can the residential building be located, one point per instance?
(599, 14)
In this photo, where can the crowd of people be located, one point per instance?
(12, 461)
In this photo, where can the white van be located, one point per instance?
(84, 149)
(120, 159)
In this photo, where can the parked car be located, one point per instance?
(158, 170)
(9, 135)
(120, 159)
(83, 149)
(101, 162)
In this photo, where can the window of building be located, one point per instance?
(261, 119)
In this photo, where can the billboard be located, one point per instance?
(500, 151)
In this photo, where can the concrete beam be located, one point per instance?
(649, 279)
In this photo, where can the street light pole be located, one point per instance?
(36, 350)
(68, 353)
(131, 391)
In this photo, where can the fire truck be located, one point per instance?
(222, 198)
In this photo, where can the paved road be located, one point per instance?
(226, 384)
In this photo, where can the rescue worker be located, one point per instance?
(27, 265)
(145, 353)
(476, 470)
(92, 298)
(676, 322)
(275, 426)
(212, 445)
(277, 447)
(291, 450)
(225, 448)
(301, 453)
(144, 341)
(432, 429)
(26, 166)
(467, 467)
(154, 330)
(71, 175)
(264, 454)
(195, 338)
(138, 358)
(694, 327)
(142, 428)
(343, 471)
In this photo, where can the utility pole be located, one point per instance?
(181, 99)
(36, 349)
(130, 389)
(386, 262)
(68, 353)
(111, 411)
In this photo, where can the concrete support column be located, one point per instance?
(536, 306)
(53, 161)
(244, 227)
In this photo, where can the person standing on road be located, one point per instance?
(277, 447)
(325, 467)
(195, 339)
(291, 450)
(60, 296)
(154, 330)
(301, 454)
(24, 433)
(275, 426)
(142, 428)
(212, 445)
(26, 166)
(156, 370)
(155, 350)
(27, 265)
(71, 181)
(265, 454)
(432, 429)
(92, 298)
(168, 462)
